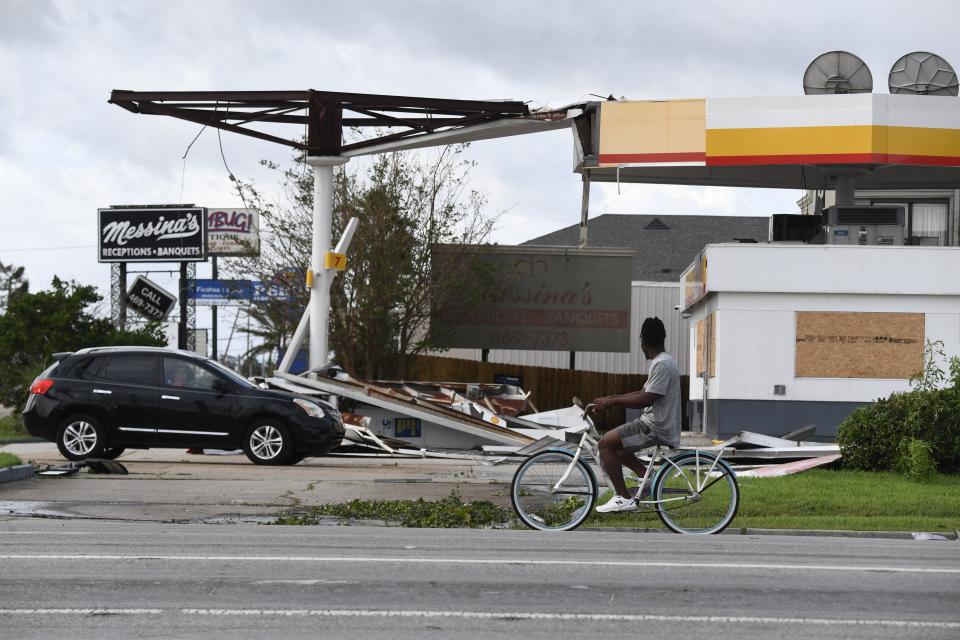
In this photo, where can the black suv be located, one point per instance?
(95, 402)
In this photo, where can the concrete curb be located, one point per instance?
(952, 536)
(18, 472)
(898, 535)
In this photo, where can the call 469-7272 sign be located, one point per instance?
(153, 234)
(149, 299)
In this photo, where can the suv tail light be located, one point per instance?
(41, 386)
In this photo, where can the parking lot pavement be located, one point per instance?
(171, 485)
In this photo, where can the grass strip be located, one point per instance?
(11, 428)
(832, 500)
(817, 499)
(9, 460)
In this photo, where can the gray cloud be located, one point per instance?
(64, 151)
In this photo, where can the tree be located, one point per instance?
(12, 283)
(36, 325)
(406, 203)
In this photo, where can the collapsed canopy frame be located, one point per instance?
(322, 113)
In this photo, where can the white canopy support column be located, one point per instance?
(321, 277)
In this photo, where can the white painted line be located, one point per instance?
(48, 533)
(305, 583)
(493, 561)
(80, 612)
(498, 615)
(591, 617)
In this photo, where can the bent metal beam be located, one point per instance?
(382, 120)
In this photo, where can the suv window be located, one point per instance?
(134, 368)
(186, 374)
(85, 368)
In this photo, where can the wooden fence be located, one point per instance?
(551, 388)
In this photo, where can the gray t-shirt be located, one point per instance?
(663, 416)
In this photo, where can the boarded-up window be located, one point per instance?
(706, 342)
(859, 345)
(712, 350)
(701, 328)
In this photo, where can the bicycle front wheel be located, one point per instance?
(697, 493)
(543, 502)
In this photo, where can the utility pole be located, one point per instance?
(182, 328)
(213, 312)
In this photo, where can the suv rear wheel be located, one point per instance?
(268, 442)
(80, 437)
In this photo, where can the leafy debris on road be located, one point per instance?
(449, 512)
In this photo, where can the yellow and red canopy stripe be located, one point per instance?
(842, 129)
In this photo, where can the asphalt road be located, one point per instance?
(101, 579)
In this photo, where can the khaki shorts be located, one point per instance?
(636, 435)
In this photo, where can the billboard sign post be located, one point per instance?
(233, 232)
(152, 234)
(236, 293)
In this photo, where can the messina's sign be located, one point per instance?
(153, 235)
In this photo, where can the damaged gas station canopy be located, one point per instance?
(794, 142)
(432, 419)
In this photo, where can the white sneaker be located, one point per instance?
(618, 503)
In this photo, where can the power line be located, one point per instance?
(36, 226)
(79, 246)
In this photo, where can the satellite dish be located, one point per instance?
(837, 72)
(924, 73)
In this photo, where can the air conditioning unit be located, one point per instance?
(791, 227)
(864, 225)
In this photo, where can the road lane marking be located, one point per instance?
(491, 561)
(81, 612)
(497, 615)
(305, 583)
(591, 617)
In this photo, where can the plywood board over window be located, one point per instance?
(859, 345)
(712, 350)
(706, 343)
(701, 328)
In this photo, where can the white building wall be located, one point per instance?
(658, 299)
(846, 269)
(756, 295)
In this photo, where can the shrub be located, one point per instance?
(915, 460)
(909, 431)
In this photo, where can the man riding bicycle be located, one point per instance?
(659, 423)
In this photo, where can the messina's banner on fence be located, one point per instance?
(543, 298)
(153, 234)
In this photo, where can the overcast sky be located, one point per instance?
(64, 151)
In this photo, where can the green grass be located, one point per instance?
(833, 500)
(12, 429)
(9, 460)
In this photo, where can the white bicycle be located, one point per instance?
(693, 491)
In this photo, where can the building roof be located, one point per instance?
(664, 245)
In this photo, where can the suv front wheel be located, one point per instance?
(80, 437)
(268, 442)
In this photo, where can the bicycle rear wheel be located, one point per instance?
(700, 493)
(540, 504)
